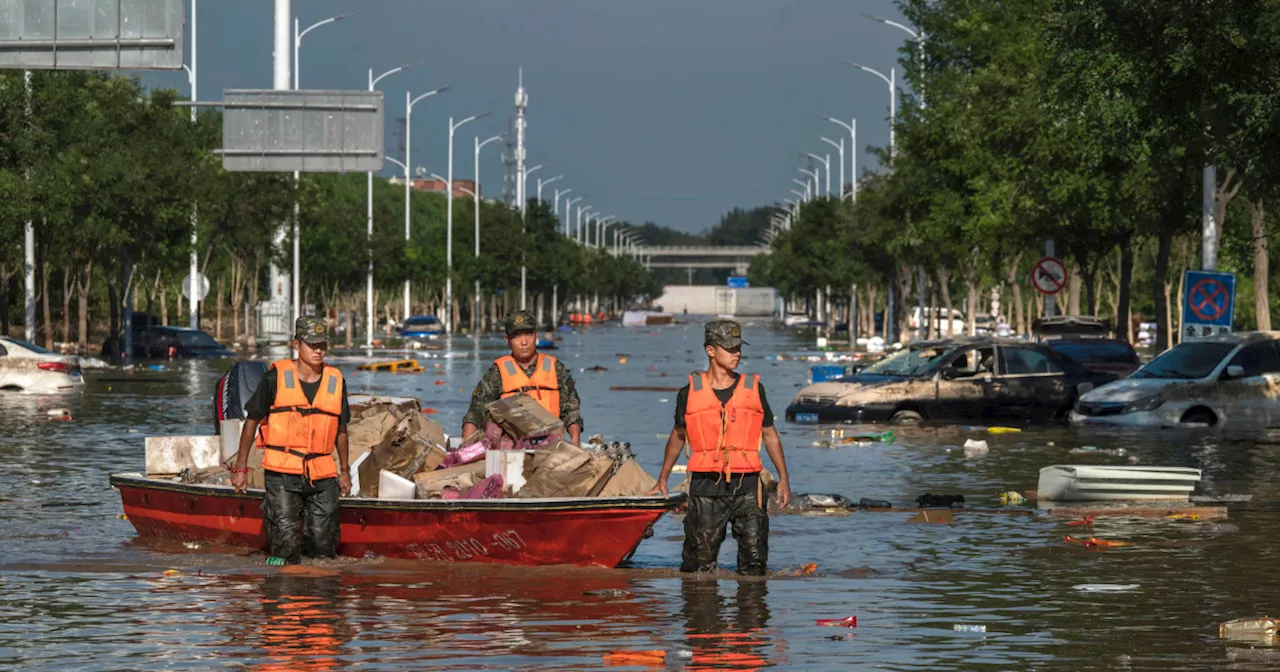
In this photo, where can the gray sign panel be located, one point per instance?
(91, 34)
(308, 131)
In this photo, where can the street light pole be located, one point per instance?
(840, 148)
(893, 100)
(297, 254)
(826, 163)
(368, 290)
(852, 127)
(813, 174)
(194, 304)
(543, 183)
(475, 199)
(555, 203)
(524, 267)
(448, 280)
(408, 178)
(808, 186)
(581, 210)
(568, 212)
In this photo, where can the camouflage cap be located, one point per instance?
(724, 333)
(520, 321)
(311, 330)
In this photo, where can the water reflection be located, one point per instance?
(303, 624)
(727, 633)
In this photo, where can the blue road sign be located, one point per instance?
(737, 282)
(1208, 303)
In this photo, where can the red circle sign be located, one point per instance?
(1208, 299)
(1049, 275)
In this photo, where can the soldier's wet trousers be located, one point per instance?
(300, 518)
(704, 529)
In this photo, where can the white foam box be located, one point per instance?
(172, 454)
(509, 463)
(392, 486)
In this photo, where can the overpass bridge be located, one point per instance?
(736, 257)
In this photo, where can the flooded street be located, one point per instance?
(79, 590)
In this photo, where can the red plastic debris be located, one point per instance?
(850, 622)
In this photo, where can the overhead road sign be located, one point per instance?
(91, 34)
(307, 130)
(1049, 276)
(1208, 304)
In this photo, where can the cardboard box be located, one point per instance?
(565, 470)
(520, 416)
(630, 480)
(169, 455)
(431, 483)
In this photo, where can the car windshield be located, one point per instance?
(906, 364)
(26, 344)
(1110, 352)
(197, 339)
(421, 322)
(1186, 361)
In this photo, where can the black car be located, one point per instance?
(954, 380)
(178, 343)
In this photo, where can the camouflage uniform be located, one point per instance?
(489, 389)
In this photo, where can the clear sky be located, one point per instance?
(672, 111)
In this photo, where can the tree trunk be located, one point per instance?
(1159, 282)
(114, 303)
(1015, 290)
(47, 325)
(1261, 266)
(237, 300)
(252, 291)
(1223, 193)
(67, 289)
(944, 286)
(1074, 285)
(164, 306)
(217, 320)
(1124, 282)
(871, 310)
(82, 293)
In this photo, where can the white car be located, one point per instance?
(27, 367)
(1232, 380)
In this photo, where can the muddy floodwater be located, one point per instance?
(79, 590)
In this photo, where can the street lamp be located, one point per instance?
(919, 37)
(581, 211)
(826, 163)
(524, 268)
(813, 174)
(602, 227)
(527, 173)
(852, 127)
(475, 197)
(568, 211)
(408, 152)
(808, 188)
(448, 280)
(839, 147)
(893, 99)
(368, 290)
(555, 203)
(297, 255)
(194, 269)
(543, 183)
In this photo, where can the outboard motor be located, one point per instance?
(233, 391)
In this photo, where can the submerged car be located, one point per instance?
(1087, 340)
(970, 379)
(421, 327)
(27, 367)
(1231, 379)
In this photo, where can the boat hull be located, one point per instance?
(574, 531)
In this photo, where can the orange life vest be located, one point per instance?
(724, 438)
(298, 437)
(543, 386)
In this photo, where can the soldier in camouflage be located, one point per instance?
(526, 371)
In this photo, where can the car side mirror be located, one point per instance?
(1235, 371)
(949, 373)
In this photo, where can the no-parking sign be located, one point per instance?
(1208, 304)
(1049, 276)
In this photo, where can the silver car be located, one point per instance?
(1231, 380)
(27, 367)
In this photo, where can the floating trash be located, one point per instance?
(1105, 587)
(850, 622)
(963, 627)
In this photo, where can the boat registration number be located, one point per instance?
(807, 418)
(466, 549)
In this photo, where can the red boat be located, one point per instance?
(588, 531)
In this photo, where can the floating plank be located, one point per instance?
(398, 366)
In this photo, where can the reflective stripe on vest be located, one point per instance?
(724, 438)
(298, 435)
(543, 387)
